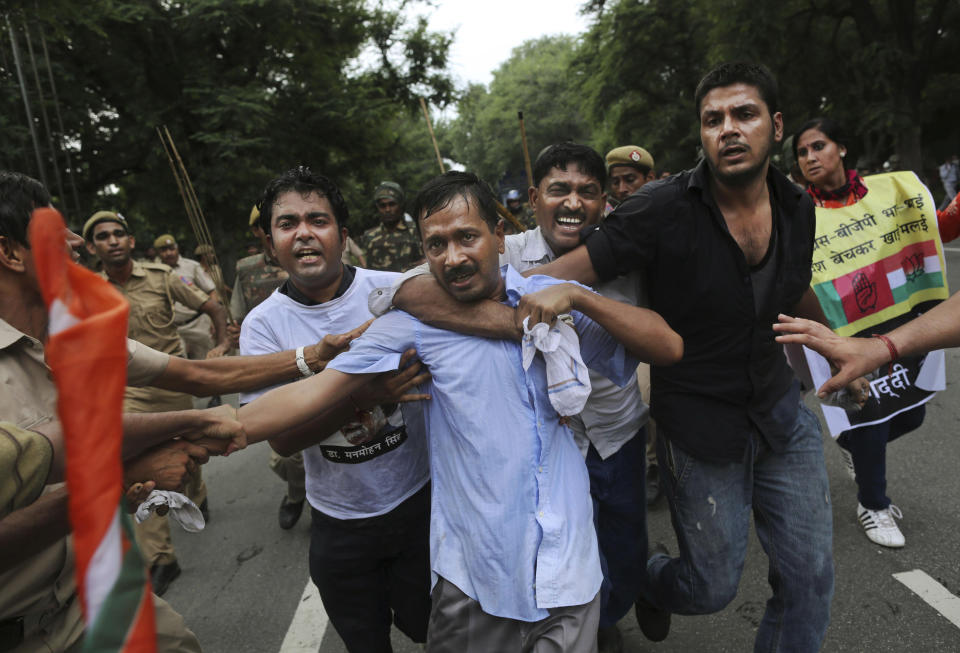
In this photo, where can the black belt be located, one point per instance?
(11, 633)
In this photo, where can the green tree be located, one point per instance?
(247, 88)
(537, 79)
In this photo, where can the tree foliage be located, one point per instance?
(247, 88)
(539, 80)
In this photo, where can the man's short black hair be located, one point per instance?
(563, 154)
(304, 181)
(19, 196)
(437, 194)
(751, 74)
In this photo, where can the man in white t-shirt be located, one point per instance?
(367, 482)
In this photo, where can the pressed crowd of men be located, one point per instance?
(449, 494)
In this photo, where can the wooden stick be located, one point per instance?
(194, 213)
(436, 148)
(526, 151)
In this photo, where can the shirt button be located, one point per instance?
(540, 514)
(540, 469)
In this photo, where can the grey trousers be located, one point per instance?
(459, 625)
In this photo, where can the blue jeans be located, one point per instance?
(868, 445)
(620, 515)
(710, 505)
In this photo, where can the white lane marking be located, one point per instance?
(308, 625)
(935, 594)
(952, 249)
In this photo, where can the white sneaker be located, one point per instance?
(880, 526)
(847, 458)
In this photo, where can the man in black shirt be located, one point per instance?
(726, 247)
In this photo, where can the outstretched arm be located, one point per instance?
(422, 297)
(575, 265)
(853, 357)
(643, 332)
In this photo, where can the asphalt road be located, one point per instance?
(243, 582)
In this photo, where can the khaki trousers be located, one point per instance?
(153, 535)
(290, 469)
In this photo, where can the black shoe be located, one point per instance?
(654, 491)
(290, 512)
(162, 575)
(205, 511)
(654, 622)
(609, 640)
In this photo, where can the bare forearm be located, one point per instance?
(142, 431)
(296, 404)
(235, 373)
(643, 332)
(31, 529)
(314, 431)
(423, 298)
(216, 312)
(938, 328)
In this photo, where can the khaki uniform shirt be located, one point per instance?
(257, 277)
(395, 250)
(192, 274)
(25, 460)
(43, 585)
(151, 291)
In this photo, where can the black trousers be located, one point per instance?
(373, 572)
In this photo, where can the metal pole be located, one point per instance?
(26, 102)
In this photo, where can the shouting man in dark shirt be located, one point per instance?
(725, 248)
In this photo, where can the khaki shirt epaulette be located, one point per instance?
(151, 291)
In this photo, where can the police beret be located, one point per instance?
(103, 216)
(166, 240)
(203, 249)
(629, 155)
(389, 190)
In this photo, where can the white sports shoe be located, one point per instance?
(847, 458)
(880, 526)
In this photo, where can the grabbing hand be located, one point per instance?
(219, 350)
(851, 357)
(220, 424)
(546, 305)
(233, 335)
(137, 494)
(167, 464)
(392, 387)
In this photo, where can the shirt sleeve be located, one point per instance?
(203, 280)
(380, 347)
(144, 364)
(25, 461)
(190, 297)
(626, 239)
(381, 299)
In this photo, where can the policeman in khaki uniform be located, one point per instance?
(152, 290)
(39, 610)
(193, 326)
(391, 245)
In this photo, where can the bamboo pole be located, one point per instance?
(433, 137)
(26, 103)
(526, 151)
(194, 213)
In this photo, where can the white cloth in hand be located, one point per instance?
(182, 510)
(568, 381)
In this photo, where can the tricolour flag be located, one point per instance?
(87, 353)
(882, 284)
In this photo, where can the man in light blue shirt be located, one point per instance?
(513, 547)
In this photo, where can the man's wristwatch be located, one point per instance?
(302, 363)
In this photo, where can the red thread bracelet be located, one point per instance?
(892, 348)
